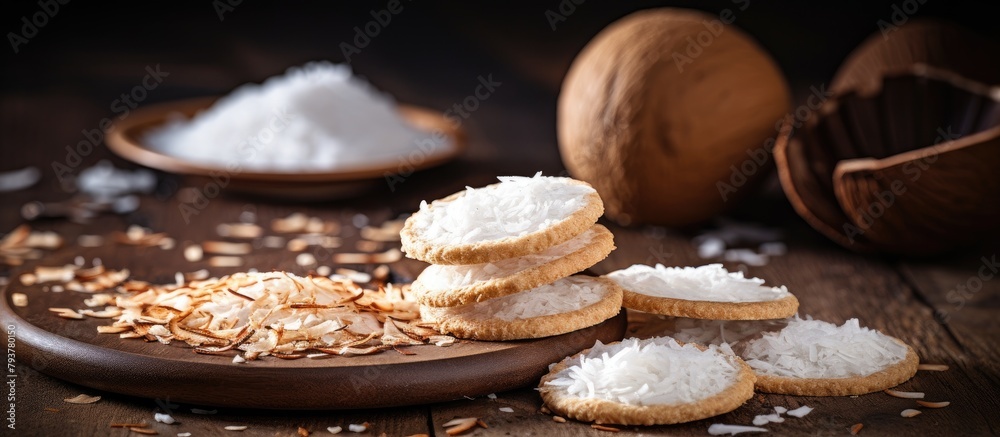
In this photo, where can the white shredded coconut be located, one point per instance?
(722, 429)
(764, 419)
(507, 409)
(450, 277)
(706, 283)
(818, 349)
(562, 296)
(801, 411)
(163, 418)
(357, 428)
(515, 207)
(655, 371)
(780, 410)
(316, 117)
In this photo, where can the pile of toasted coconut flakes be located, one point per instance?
(272, 313)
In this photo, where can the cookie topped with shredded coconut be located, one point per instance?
(706, 292)
(646, 382)
(563, 306)
(817, 358)
(451, 285)
(516, 217)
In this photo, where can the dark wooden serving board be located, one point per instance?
(73, 350)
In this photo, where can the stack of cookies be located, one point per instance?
(503, 257)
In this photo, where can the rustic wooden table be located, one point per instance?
(945, 307)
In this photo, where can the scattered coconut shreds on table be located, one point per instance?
(334, 429)
(462, 424)
(301, 223)
(19, 299)
(303, 432)
(600, 427)
(23, 244)
(941, 404)
(164, 418)
(226, 248)
(141, 430)
(273, 313)
(140, 236)
(933, 367)
(82, 399)
(905, 394)
(909, 412)
(800, 412)
(723, 429)
(388, 232)
(387, 257)
(194, 253)
(856, 428)
(559, 419)
(506, 409)
(236, 428)
(75, 278)
(358, 427)
(239, 230)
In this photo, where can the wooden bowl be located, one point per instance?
(920, 41)
(126, 140)
(911, 168)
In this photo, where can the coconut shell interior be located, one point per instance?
(932, 133)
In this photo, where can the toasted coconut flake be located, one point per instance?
(85, 240)
(460, 425)
(236, 428)
(293, 223)
(112, 329)
(297, 245)
(303, 432)
(107, 313)
(559, 419)
(905, 394)
(226, 248)
(389, 256)
(51, 410)
(225, 261)
(305, 259)
(367, 246)
(194, 253)
(388, 232)
(856, 428)
(941, 404)
(600, 427)
(82, 399)
(239, 230)
(19, 299)
(933, 367)
(146, 431)
(909, 412)
(128, 425)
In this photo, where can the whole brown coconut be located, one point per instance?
(661, 109)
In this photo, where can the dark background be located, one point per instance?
(66, 77)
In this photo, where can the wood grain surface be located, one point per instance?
(65, 80)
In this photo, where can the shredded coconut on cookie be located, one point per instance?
(563, 296)
(818, 349)
(706, 283)
(655, 371)
(515, 207)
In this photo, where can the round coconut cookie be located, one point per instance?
(816, 358)
(706, 292)
(657, 381)
(566, 305)
(451, 285)
(516, 217)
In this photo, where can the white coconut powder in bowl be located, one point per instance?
(706, 283)
(655, 371)
(318, 117)
(818, 349)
